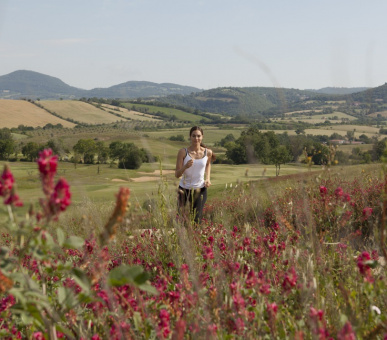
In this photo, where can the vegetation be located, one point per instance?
(311, 265)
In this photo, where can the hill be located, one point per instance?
(371, 95)
(249, 101)
(33, 85)
(339, 90)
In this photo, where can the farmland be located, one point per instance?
(80, 112)
(16, 112)
(170, 112)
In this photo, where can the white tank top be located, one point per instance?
(193, 177)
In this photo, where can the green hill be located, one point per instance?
(249, 101)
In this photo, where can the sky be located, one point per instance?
(303, 44)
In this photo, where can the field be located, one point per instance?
(315, 119)
(181, 115)
(295, 257)
(20, 112)
(99, 183)
(80, 111)
(130, 113)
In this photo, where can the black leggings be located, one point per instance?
(196, 199)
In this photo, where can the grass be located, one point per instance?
(315, 119)
(20, 112)
(130, 113)
(181, 115)
(80, 111)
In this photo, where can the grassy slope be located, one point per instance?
(80, 111)
(16, 112)
(181, 115)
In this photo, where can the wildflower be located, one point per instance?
(363, 263)
(346, 197)
(13, 199)
(6, 181)
(163, 325)
(367, 212)
(180, 328)
(339, 192)
(316, 314)
(272, 309)
(117, 216)
(60, 197)
(376, 310)
(47, 164)
(290, 280)
(5, 283)
(207, 253)
(323, 190)
(38, 336)
(346, 333)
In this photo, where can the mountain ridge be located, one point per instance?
(32, 85)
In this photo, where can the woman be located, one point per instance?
(193, 165)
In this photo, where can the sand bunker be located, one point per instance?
(145, 179)
(157, 172)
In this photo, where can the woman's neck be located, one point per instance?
(195, 147)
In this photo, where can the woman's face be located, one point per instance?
(196, 136)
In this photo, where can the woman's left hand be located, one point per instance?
(207, 183)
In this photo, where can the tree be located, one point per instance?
(102, 152)
(31, 150)
(131, 157)
(86, 149)
(279, 155)
(7, 144)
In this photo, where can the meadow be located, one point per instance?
(300, 256)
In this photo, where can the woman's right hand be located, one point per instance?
(189, 164)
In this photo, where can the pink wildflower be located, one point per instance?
(47, 164)
(163, 325)
(316, 314)
(38, 336)
(367, 212)
(60, 198)
(323, 190)
(272, 309)
(339, 192)
(290, 280)
(364, 265)
(346, 333)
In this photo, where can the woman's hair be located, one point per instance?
(195, 128)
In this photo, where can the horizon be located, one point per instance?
(147, 81)
(201, 44)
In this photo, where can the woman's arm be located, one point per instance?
(207, 182)
(180, 167)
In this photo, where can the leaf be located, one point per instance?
(81, 279)
(141, 278)
(74, 242)
(149, 288)
(61, 295)
(124, 274)
(61, 236)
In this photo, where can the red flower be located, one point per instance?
(363, 263)
(346, 333)
(367, 212)
(338, 192)
(60, 198)
(323, 190)
(47, 164)
(272, 309)
(290, 280)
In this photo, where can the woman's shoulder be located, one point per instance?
(182, 152)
